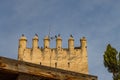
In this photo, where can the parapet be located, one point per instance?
(47, 40)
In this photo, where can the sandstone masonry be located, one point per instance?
(71, 58)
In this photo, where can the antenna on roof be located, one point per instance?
(52, 37)
(49, 30)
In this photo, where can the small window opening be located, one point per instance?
(68, 64)
(56, 65)
(40, 63)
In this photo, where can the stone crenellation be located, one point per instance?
(71, 58)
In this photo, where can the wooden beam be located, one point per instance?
(17, 67)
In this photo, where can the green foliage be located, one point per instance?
(112, 61)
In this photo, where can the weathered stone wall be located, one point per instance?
(71, 58)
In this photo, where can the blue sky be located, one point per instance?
(97, 20)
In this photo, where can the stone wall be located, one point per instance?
(71, 58)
